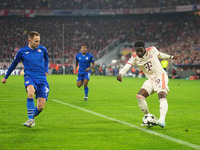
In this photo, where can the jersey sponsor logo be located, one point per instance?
(26, 52)
(87, 58)
(79, 57)
(148, 65)
(150, 56)
(39, 50)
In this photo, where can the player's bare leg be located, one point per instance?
(30, 91)
(40, 105)
(142, 94)
(30, 106)
(79, 83)
(86, 89)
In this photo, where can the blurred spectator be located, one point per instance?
(174, 37)
(97, 72)
(104, 69)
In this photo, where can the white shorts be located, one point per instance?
(158, 84)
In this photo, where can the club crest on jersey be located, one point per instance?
(87, 58)
(27, 82)
(150, 56)
(79, 57)
(39, 50)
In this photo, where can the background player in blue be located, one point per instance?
(35, 61)
(84, 60)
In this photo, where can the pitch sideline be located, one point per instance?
(133, 126)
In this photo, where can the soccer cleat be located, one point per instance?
(159, 123)
(86, 98)
(30, 123)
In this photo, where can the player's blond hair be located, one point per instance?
(32, 34)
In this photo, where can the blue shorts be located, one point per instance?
(83, 75)
(41, 87)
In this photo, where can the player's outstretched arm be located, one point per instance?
(3, 80)
(123, 71)
(166, 56)
(176, 57)
(119, 77)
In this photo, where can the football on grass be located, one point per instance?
(147, 119)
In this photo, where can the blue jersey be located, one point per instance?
(35, 62)
(84, 61)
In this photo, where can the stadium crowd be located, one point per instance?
(173, 36)
(92, 4)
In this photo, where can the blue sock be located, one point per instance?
(36, 112)
(30, 107)
(86, 90)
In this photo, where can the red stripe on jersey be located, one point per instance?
(149, 48)
(163, 81)
(130, 64)
(134, 55)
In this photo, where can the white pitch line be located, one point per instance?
(134, 126)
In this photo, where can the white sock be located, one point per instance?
(163, 109)
(142, 104)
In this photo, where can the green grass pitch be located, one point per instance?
(63, 127)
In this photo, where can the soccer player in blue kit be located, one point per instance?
(35, 61)
(84, 60)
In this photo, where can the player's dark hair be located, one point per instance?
(139, 43)
(83, 45)
(32, 34)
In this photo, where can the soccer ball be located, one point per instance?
(147, 119)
